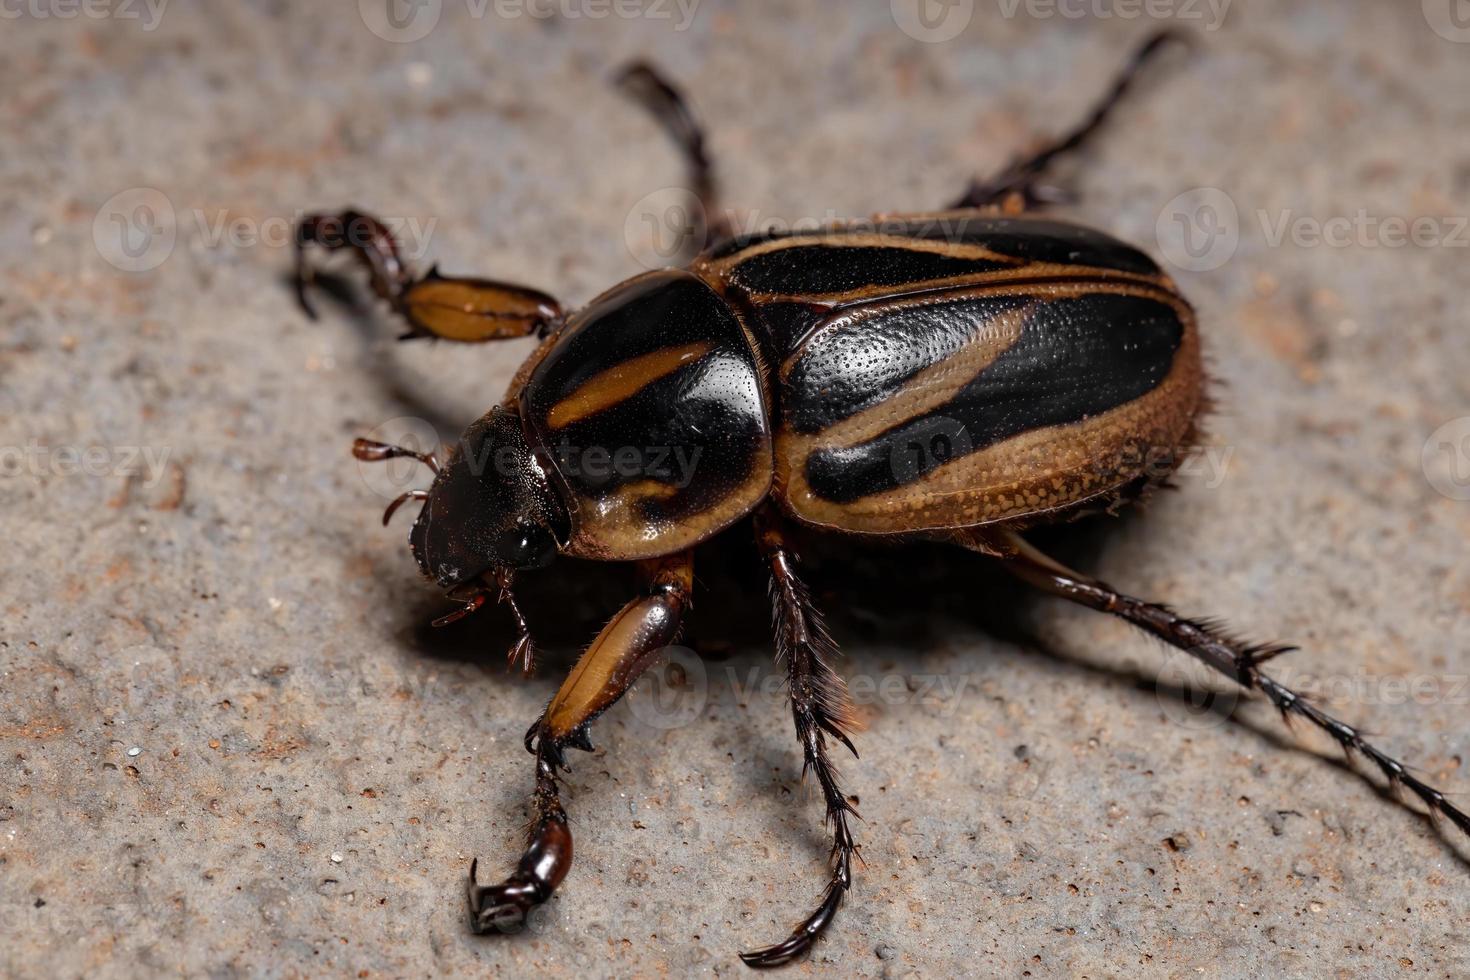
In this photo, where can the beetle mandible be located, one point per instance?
(957, 376)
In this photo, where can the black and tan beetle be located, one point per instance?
(958, 376)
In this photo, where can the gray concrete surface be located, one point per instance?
(228, 746)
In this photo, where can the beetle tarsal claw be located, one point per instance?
(580, 739)
(524, 648)
(803, 937)
(489, 909)
(504, 907)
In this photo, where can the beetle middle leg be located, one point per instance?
(1241, 662)
(821, 707)
(445, 307)
(1021, 180)
(646, 85)
(627, 646)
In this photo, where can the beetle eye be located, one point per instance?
(527, 546)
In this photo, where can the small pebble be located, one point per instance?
(336, 858)
(134, 752)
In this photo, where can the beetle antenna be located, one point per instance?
(376, 452)
(400, 500)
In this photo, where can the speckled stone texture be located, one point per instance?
(230, 745)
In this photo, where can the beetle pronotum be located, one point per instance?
(1045, 369)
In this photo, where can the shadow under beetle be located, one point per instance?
(958, 376)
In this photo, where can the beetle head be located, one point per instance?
(490, 509)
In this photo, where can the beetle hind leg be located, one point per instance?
(1020, 183)
(443, 307)
(1206, 642)
(821, 708)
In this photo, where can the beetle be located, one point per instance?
(959, 376)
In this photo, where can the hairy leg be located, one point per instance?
(667, 104)
(1205, 641)
(1021, 180)
(820, 707)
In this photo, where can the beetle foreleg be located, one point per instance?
(1021, 178)
(820, 706)
(369, 239)
(448, 308)
(1239, 661)
(627, 646)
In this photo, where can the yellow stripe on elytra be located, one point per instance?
(621, 381)
(928, 390)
